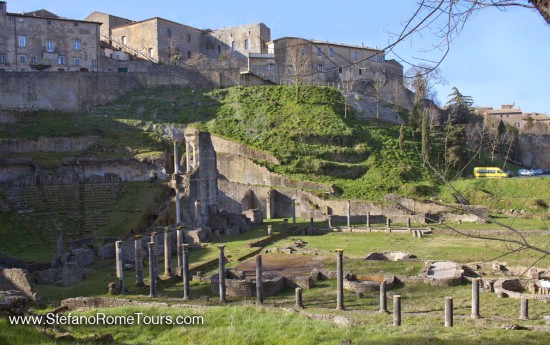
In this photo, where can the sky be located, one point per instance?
(500, 56)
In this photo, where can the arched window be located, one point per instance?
(219, 49)
(233, 46)
(246, 44)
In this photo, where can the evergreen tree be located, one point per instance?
(425, 138)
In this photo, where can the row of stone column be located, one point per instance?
(189, 164)
(184, 264)
(368, 219)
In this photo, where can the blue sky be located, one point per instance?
(500, 57)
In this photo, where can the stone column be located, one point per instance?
(475, 299)
(339, 279)
(152, 273)
(448, 312)
(194, 156)
(178, 206)
(167, 253)
(259, 282)
(187, 157)
(221, 273)
(293, 211)
(396, 310)
(298, 298)
(138, 260)
(329, 221)
(179, 242)
(349, 213)
(524, 309)
(383, 300)
(198, 217)
(119, 273)
(184, 248)
(154, 240)
(270, 230)
(368, 220)
(176, 160)
(268, 205)
(59, 240)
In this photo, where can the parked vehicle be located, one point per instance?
(537, 171)
(526, 172)
(490, 172)
(546, 171)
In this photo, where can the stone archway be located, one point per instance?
(250, 201)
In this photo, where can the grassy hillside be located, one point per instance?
(530, 195)
(315, 141)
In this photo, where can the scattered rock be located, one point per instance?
(514, 327)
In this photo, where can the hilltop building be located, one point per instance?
(40, 40)
(291, 58)
(512, 115)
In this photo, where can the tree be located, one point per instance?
(458, 99)
(298, 63)
(425, 137)
(377, 88)
(422, 81)
(443, 20)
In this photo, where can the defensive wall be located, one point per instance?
(76, 91)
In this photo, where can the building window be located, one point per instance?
(319, 68)
(49, 46)
(49, 22)
(188, 54)
(219, 49)
(60, 60)
(331, 52)
(339, 69)
(233, 46)
(33, 59)
(94, 63)
(76, 61)
(150, 51)
(303, 51)
(22, 41)
(356, 56)
(22, 58)
(360, 71)
(169, 32)
(75, 24)
(124, 40)
(188, 38)
(3, 58)
(245, 44)
(319, 52)
(76, 44)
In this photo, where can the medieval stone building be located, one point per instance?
(291, 58)
(41, 40)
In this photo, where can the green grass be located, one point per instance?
(431, 247)
(240, 322)
(530, 195)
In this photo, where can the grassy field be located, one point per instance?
(241, 322)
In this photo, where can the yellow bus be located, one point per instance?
(489, 172)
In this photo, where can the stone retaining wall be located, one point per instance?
(18, 279)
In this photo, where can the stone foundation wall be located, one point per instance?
(46, 144)
(76, 91)
(18, 279)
